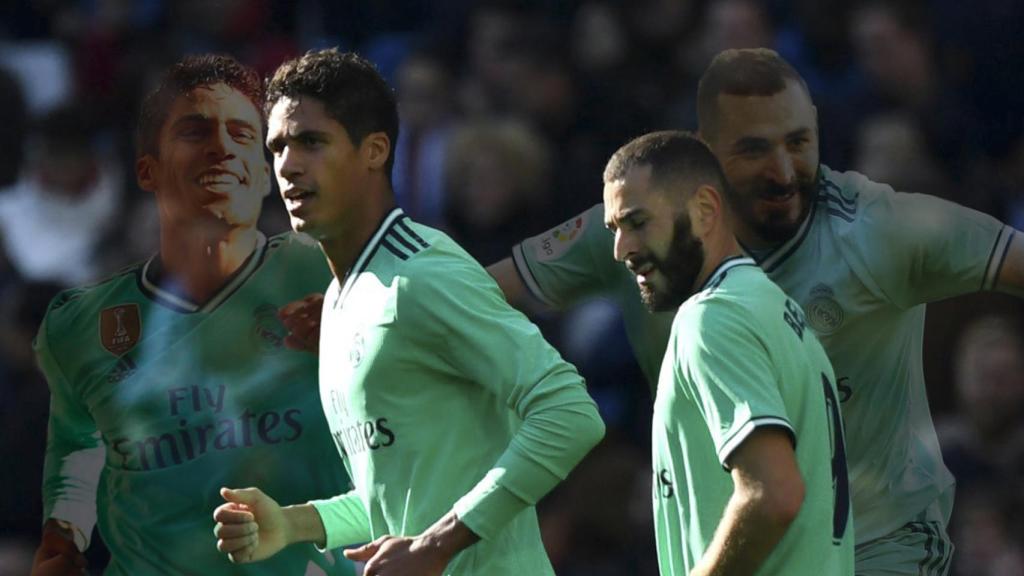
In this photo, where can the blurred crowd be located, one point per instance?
(509, 110)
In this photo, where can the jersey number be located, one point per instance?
(840, 480)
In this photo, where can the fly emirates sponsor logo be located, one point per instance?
(202, 427)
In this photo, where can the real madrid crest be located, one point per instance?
(120, 327)
(824, 314)
(357, 350)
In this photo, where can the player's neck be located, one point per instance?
(200, 264)
(343, 247)
(715, 251)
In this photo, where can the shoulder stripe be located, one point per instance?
(391, 248)
(997, 257)
(526, 275)
(368, 252)
(412, 234)
(394, 235)
(744, 431)
(840, 214)
(833, 191)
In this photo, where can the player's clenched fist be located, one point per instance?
(250, 525)
(57, 554)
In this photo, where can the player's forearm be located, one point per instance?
(343, 519)
(303, 524)
(559, 428)
(752, 525)
(448, 536)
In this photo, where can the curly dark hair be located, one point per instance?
(185, 76)
(351, 89)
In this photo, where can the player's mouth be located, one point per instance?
(778, 199)
(643, 272)
(219, 181)
(296, 196)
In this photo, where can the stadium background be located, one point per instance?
(509, 111)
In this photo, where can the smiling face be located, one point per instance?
(653, 238)
(768, 148)
(209, 168)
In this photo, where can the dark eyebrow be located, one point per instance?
(799, 132)
(749, 142)
(627, 215)
(281, 139)
(190, 119)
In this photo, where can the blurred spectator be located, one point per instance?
(497, 177)
(13, 112)
(984, 448)
(891, 148)
(894, 52)
(426, 113)
(55, 216)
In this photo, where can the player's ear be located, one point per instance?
(705, 209)
(376, 150)
(145, 172)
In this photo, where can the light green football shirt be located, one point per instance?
(157, 402)
(574, 261)
(741, 358)
(863, 265)
(442, 397)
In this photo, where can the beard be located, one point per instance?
(775, 227)
(679, 267)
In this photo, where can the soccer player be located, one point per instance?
(451, 412)
(862, 261)
(744, 386)
(171, 378)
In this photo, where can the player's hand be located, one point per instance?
(302, 319)
(57, 554)
(396, 556)
(250, 526)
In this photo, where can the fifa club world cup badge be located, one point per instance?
(120, 327)
(357, 351)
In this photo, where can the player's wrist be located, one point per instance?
(55, 527)
(302, 523)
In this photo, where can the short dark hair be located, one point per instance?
(741, 72)
(184, 76)
(674, 156)
(351, 89)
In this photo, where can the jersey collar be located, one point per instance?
(367, 253)
(718, 275)
(152, 276)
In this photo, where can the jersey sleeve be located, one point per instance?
(74, 452)
(494, 346)
(730, 374)
(923, 248)
(345, 520)
(569, 262)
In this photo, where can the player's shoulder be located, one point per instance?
(71, 306)
(736, 294)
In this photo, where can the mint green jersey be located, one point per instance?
(441, 397)
(740, 358)
(863, 265)
(157, 402)
(574, 261)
